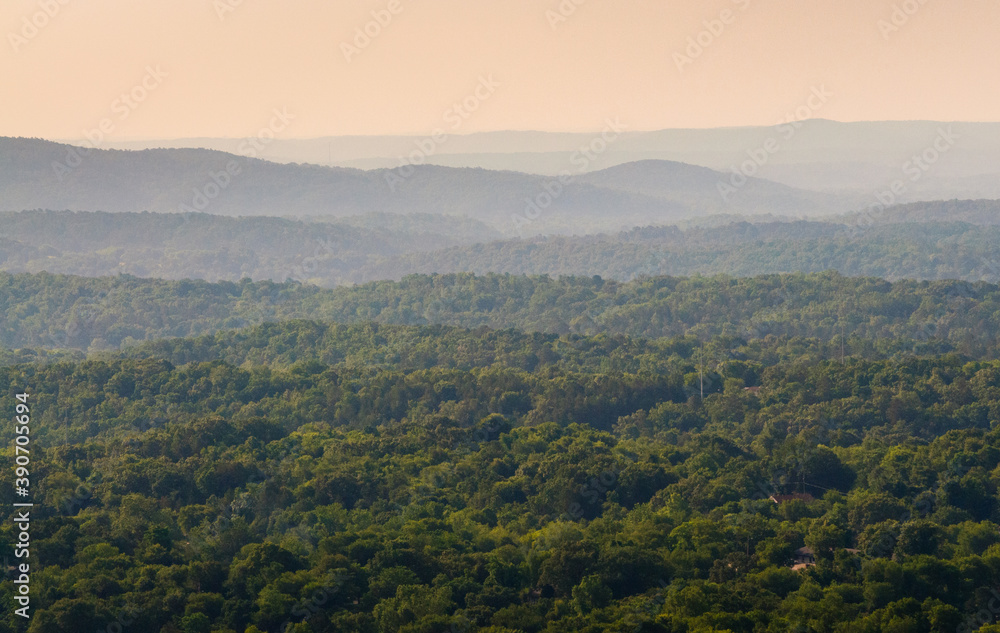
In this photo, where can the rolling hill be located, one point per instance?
(947, 240)
(40, 174)
(67, 312)
(856, 158)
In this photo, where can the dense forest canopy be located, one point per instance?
(63, 312)
(436, 479)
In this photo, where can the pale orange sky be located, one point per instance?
(226, 76)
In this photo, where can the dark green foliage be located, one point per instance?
(308, 477)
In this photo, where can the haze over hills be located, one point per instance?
(385, 224)
(688, 184)
(956, 239)
(202, 246)
(979, 212)
(40, 174)
(70, 312)
(906, 251)
(859, 158)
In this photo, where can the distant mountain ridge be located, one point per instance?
(675, 181)
(172, 180)
(859, 158)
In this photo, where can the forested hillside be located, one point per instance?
(203, 246)
(449, 485)
(53, 311)
(885, 248)
(953, 240)
(981, 212)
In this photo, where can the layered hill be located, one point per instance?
(203, 246)
(952, 250)
(944, 240)
(39, 174)
(816, 154)
(54, 311)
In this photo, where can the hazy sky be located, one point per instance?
(221, 67)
